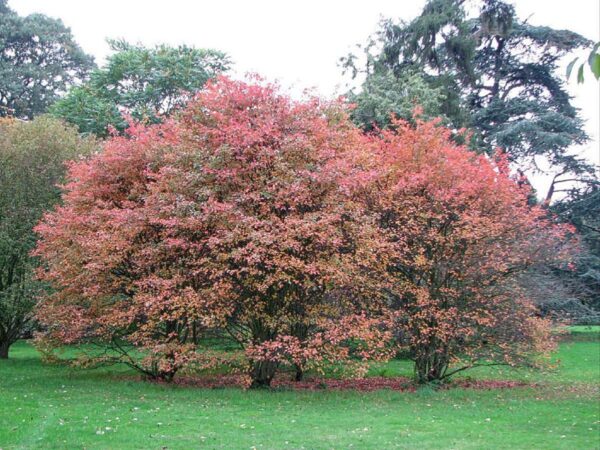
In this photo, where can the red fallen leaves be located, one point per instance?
(279, 224)
(489, 384)
(369, 384)
(312, 384)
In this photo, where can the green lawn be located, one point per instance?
(44, 406)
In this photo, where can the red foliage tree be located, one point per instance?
(279, 224)
(461, 234)
(234, 217)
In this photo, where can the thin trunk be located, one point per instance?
(299, 372)
(166, 376)
(430, 367)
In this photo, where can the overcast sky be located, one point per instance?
(298, 43)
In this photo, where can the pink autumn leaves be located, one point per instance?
(278, 225)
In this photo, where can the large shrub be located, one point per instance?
(279, 224)
(461, 236)
(235, 217)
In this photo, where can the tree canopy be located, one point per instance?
(146, 83)
(499, 78)
(39, 61)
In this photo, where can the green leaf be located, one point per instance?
(580, 74)
(570, 67)
(593, 53)
(595, 66)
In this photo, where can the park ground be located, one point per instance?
(56, 406)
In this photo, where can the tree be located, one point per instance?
(581, 208)
(461, 234)
(39, 61)
(232, 217)
(147, 83)
(383, 95)
(32, 157)
(498, 75)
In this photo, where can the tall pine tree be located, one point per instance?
(498, 75)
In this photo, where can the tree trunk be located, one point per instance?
(299, 372)
(4, 346)
(430, 367)
(166, 376)
(262, 374)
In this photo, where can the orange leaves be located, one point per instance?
(462, 233)
(237, 216)
(277, 223)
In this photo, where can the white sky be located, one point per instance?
(298, 43)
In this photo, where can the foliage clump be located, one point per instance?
(144, 83)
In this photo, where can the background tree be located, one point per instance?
(461, 232)
(32, 162)
(383, 94)
(145, 82)
(498, 75)
(581, 208)
(39, 61)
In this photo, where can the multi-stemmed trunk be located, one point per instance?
(164, 374)
(431, 364)
(262, 373)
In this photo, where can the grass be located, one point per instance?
(43, 406)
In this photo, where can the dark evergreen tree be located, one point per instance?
(499, 78)
(39, 60)
(582, 209)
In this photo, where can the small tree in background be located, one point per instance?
(461, 233)
(383, 96)
(147, 83)
(32, 162)
(39, 61)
